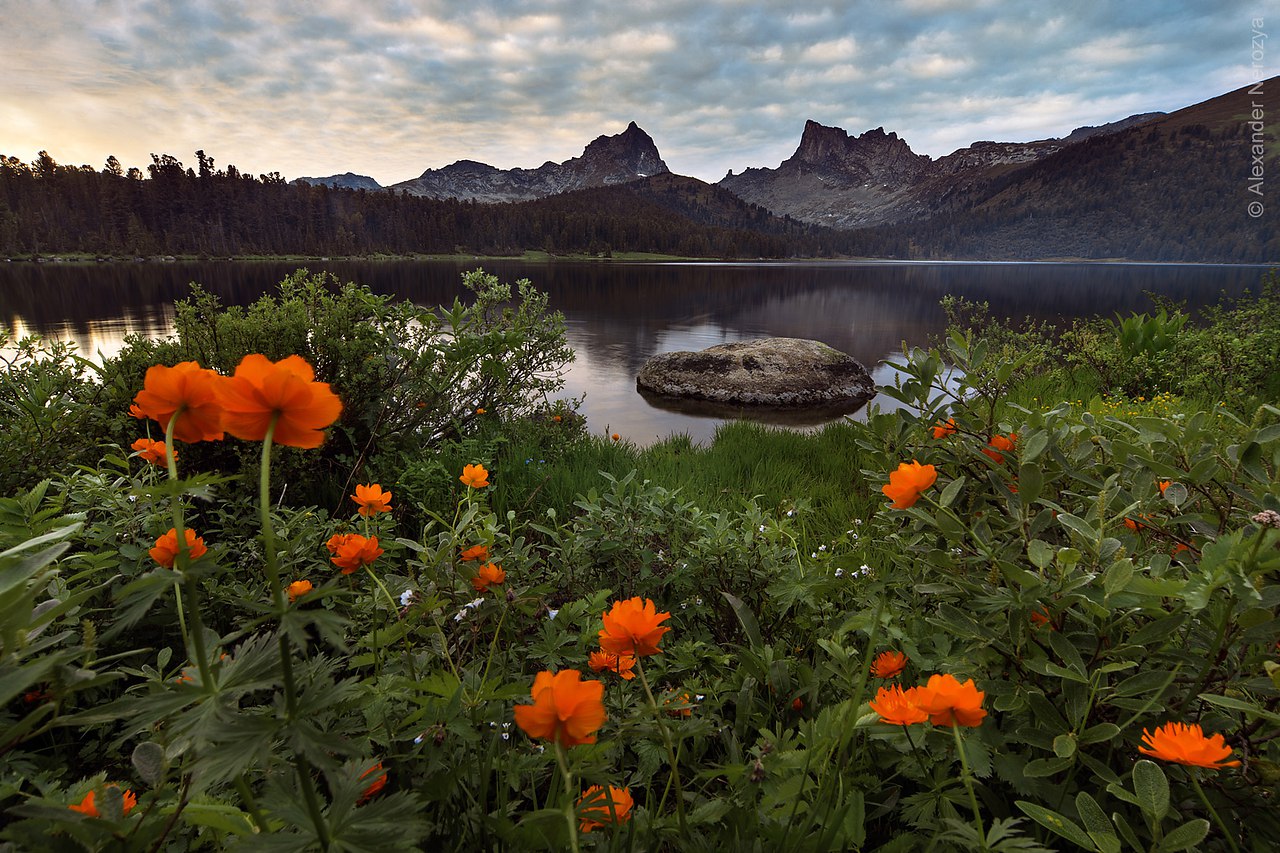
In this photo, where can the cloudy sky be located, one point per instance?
(389, 88)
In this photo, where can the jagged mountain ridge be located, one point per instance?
(606, 161)
(847, 182)
(345, 181)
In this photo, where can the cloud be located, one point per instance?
(392, 87)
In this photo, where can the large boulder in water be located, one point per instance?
(790, 372)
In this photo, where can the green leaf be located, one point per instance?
(951, 491)
(1064, 746)
(1079, 525)
(1151, 788)
(1040, 553)
(1035, 445)
(1186, 837)
(1056, 823)
(746, 618)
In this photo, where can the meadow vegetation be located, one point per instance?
(389, 593)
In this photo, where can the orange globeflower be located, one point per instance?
(616, 437)
(942, 430)
(297, 589)
(480, 411)
(596, 808)
(474, 476)
(1187, 744)
(489, 575)
(336, 541)
(565, 709)
(152, 451)
(475, 552)
(1164, 484)
(166, 550)
(908, 482)
(623, 665)
(135, 412)
(999, 442)
(1042, 617)
(372, 499)
(631, 628)
(897, 707)
(888, 664)
(284, 391)
(188, 391)
(354, 551)
(948, 702)
(376, 785)
(89, 807)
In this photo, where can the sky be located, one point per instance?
(389, 88)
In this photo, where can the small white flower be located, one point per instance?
(472, 605)
(857, 521)
(406, 597)
(855, 537)
(813, 555)
(698, 697)
(462, 614)
(762, 528)
(839, 573)
(506, 736)
(420, 738)
(822, 547)
(552, 613)
(790, 513)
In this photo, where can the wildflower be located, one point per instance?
(556, 418)
(165, 551)
(888, 664)
(285, 393)
(474, 476)
(1000, 443)
(376, 785)
(89, 808)
(336, 541)
(475, 552)
(489, 575)
(1267, 518)
(480, 411)
(632, 627)
(948, 701)
(797, 704)
(1187, 744)
(152, 451)
(616, 437)
(897, 707)
(354, 551)
(406, 598)
(623, 665)
(942, 430)
(372, 499)
(552, 613)
(839, 573)
(597, 809)
(679, 706)
(1163, 484)
(187, 391)
(565, 709)
(135, 412)
(1041, 617)
(297, 589)
(908, 482)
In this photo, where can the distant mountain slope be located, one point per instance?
(848, 181)
(627, 156)
(345, 181)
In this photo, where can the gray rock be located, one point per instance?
(790, 372)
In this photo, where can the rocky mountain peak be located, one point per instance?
(625, 156)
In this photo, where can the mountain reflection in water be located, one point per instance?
(619, 314)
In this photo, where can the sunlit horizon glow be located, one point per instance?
(389, 88)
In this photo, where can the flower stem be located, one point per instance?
(568, 793)
(1222, 827)
(968, 784)
(300, 761)
(666, 737)
(194, 636)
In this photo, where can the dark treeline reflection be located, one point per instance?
(620, 314)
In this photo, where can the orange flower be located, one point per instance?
(336, 541)
(475, 552)
(942, 430)
(474, 476)
(480, 411)
(908, 482)
(284, 391)
(897, 707)
(354, 551)
(623, 665)
(1164, 484)
(151, 451)
(1187, 744)
(616, 437)
(631, 628)
(556, 418)
(948, 702)
(565, 709)
(597, 809)
(1178, 549)
(797, 704)
(89, 808)
(888, 664)
(166, 550)
(679, 706)
(489, 575)
(376, 785)
(297, 589)
(188, 391)
(372, 499)
(1041, 617)
(135, 412)
(999, 442)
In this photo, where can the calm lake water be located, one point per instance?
(619, 314)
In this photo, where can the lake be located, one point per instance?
(619, 314)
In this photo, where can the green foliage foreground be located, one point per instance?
(1102, 576)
